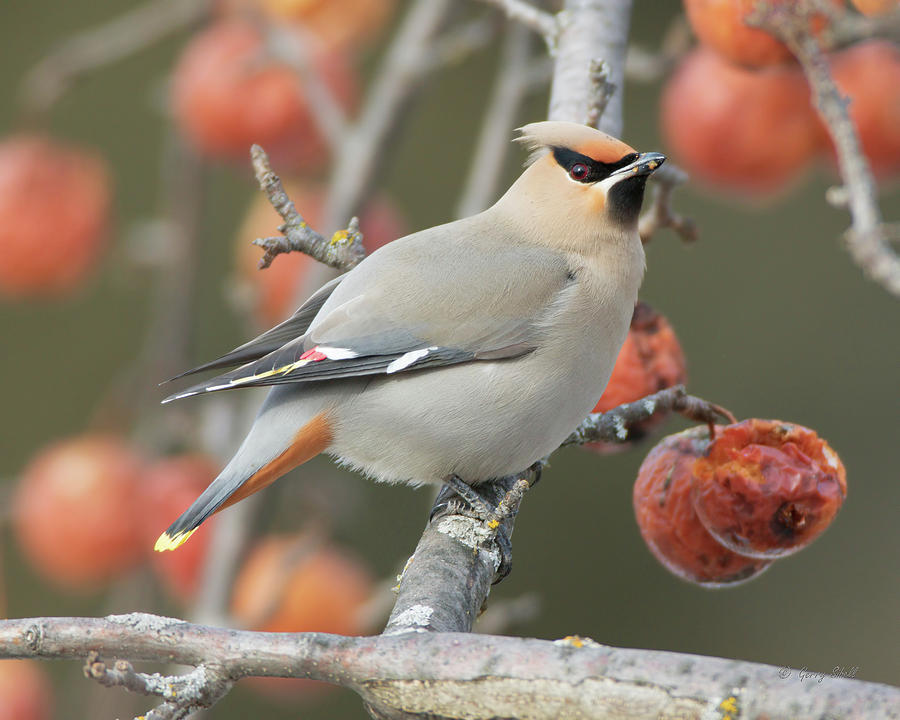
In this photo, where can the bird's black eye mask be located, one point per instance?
(585, 169)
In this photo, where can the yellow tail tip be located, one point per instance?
(168, 542)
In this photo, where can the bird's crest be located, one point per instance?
(540, 137)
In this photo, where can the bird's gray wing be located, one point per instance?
(415, 304)
(271, 340)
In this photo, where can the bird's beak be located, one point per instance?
(646, 164)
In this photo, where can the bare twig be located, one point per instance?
(499, 118)
(614, 426)
(343, 251)
(460, 42)
(201, 688)
(427, 675)
(602, 89)
(106, 44)
(660, 214)
(867, 239)
(849, 28)
(543, 23)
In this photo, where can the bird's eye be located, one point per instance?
(578, 171)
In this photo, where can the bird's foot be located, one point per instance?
(458, 497)
(464, 499)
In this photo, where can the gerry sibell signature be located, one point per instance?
(804, 674)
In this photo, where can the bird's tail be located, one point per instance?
(246, 474)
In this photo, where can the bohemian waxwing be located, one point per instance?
(472, 348)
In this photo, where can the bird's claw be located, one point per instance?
(458, 497)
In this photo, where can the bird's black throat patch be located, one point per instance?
(625, 198)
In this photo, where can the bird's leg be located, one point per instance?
(536, 469)
(478, 506)
(476, 503)
(457, 496)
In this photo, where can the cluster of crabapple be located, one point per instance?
(718, 511)
(737, 110)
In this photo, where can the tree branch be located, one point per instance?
(201, 688)
(660, 214)
(590, 31)
(499, 118)
(343, 251)
(105, 44)
(395, 81)
(868, 239)
(460, 42)
(543, 23)
(644, 65)
(290, 46)
(849, 28)
(434, 675)
(614, 426)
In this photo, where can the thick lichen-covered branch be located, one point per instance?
(443, 675)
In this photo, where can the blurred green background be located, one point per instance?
(774, 318)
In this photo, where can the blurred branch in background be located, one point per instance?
(660, 214)
(167, 341)
(510, 86)
(295, 49)
(427, 675)
(106, 44)
(869, 238)
(642, 65)
(222, 425)
(850, 28)
(543, 23)
(461, 41)
(402, 71)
